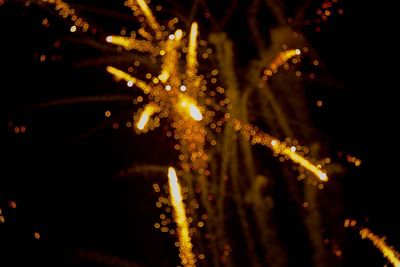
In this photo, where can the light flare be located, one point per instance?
(190, 107)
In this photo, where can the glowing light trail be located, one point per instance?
(379, 242)
(256, 137)
(185, 245)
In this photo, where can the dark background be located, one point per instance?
(62, 171)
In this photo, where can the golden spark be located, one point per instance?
(185, 244)
(278, 61)
(379, 242)
(255, 136)
(66, 11)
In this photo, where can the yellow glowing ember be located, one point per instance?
(379, 242)
(149, 110)
(66, 11)
(170, 60)
(278, 61)
(190, 107)
(130, 43)
(191, 57)
(282, 149)
(121, 75)
(185, 245)
(178, 35)
(148, 14)
(163, 76)
(256, 137)
(145, 34)
(195, 112)
(351, 159)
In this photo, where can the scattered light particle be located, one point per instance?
(36, 235)
(12, 204)
(45, 22)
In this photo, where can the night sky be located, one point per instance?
(62, 172)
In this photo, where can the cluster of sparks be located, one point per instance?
(379, 242)
(324, 12)
(174, 94)
(11, 204)
(326, 9)
(353, 160)
(66, 11)
(178, 93)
